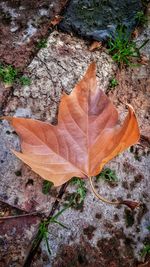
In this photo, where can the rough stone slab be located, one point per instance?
(57, 68)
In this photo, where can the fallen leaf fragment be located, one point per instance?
(57, 19)
(144, 60)
(131, 204)
(87, 136)
(135, 33)
(95, 45)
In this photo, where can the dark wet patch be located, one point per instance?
(109, 252)
(98, 19)
(139, 152)
(125, 185)
(71, 256)
(145, 195)
(30, 182)
(89, 231)
(128, 241)
(16, 201)
(98, 215)
(128, 195)
(129, 217)
(18, 173)
(137, 179)
(108, 225)
(128, 168)
(113, 250)
(116, 218)
(143, 209)
(145, 141)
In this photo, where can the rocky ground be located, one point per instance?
(97, 234)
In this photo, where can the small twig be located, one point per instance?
(143, 44)
(36, 213)
(100, 197)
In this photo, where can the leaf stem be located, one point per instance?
(100, 197)
(131, 204)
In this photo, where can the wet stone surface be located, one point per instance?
(99, 19)
(22, 25)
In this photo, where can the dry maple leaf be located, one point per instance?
(87, 135)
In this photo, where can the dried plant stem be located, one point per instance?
(130, 203)
(100, 197)
(21, 215)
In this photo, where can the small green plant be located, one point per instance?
(108, 175)
(46, 186)
(122, 48)
(42, 44)
(43, 228)
(145, 250)
(113, 83)
(24, 80)
(8, 74)
(77, 197)
(140, 18)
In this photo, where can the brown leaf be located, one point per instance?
(131, 204)
(95, 45)
(87, 135)
(57, 19)
(135, 33)
(144, 60)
